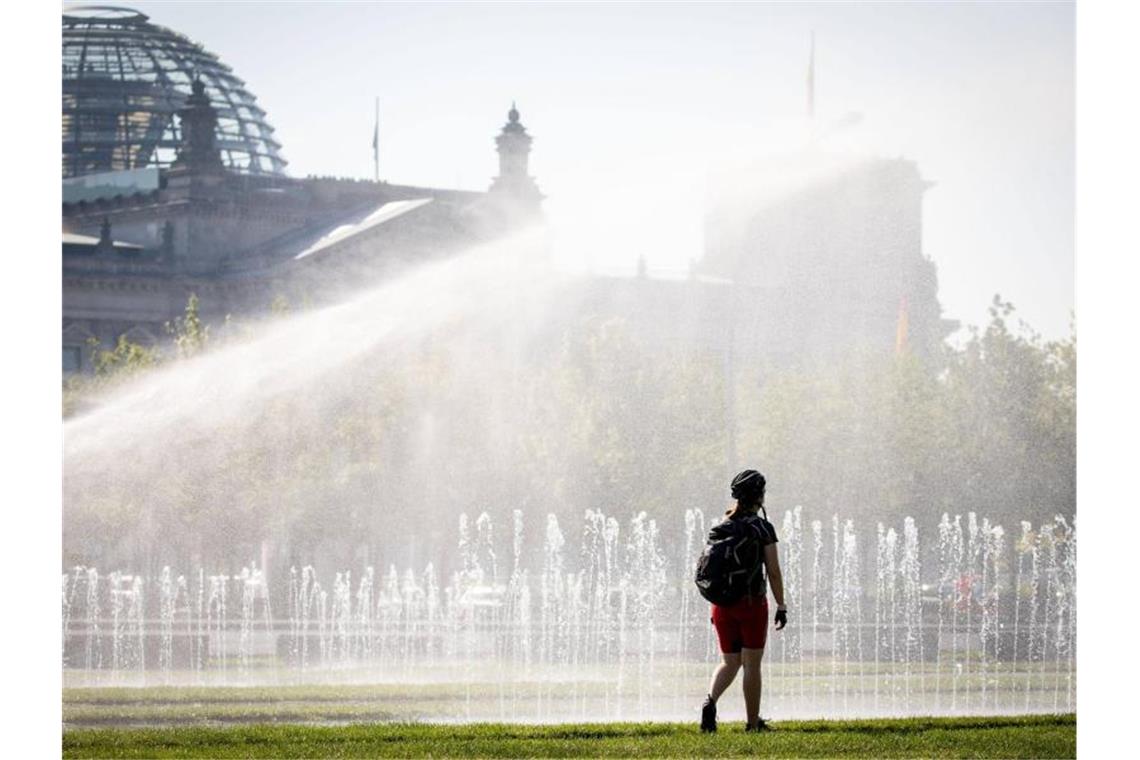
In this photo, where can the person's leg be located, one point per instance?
(754, 635)
(725, 672)
(752, 684)
(728, 636)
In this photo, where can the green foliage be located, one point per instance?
(597, 419)
(279, 306)
(1012, 400)
(991, 427)
(637, 415)
(190, 334)
(125, 360)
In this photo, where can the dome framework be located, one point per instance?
(124, 79)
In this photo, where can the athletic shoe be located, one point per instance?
(760, 726)
(708, 716)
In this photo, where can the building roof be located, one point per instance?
(71, 238)
(358, 224)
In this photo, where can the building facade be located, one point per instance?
(142, 232)
(174, 185)
(824, 256)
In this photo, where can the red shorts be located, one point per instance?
(744, 624)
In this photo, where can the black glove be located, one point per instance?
(781, 619)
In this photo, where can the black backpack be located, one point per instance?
(730, 562)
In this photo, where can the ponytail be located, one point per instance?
(739, 508)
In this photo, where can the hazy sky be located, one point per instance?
(629, 102)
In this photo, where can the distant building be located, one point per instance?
(173, 185)
(808, 259)
(825, 257)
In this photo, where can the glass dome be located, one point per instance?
(124, 80)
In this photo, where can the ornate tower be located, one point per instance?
(514, 185)
(197, 151)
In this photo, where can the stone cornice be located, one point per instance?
(197, 207)
(119, 282)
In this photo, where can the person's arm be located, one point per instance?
(776, 578)
(772, 565)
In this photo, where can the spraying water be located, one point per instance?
(599, 635)
(404, 428)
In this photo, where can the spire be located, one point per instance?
(514, 183)
(513, 124)
(811, 80)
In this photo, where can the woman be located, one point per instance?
(742, 627)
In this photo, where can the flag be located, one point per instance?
(902, 327)
(376, 144)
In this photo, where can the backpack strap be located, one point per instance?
(757, 525)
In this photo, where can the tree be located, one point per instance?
(190, 334)
(990, 429)
(592, 417)
(125, 360)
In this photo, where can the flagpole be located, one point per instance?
(376, 143)
(811, 80)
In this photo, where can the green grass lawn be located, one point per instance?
(667, 698)
(1046, 736)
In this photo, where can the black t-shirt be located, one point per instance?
(761, 532)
